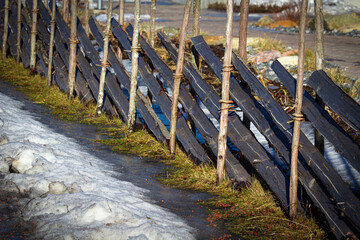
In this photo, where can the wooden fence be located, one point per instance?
(196, 129)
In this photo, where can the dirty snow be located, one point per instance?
(71, 193)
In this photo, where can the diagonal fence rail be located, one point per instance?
(198, 113)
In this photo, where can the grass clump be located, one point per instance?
(266, 44)
(251, 213)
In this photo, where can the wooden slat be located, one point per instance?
(278, 132)
(152, 121)
(113, 89)
(337, 100)
(239, 135)
(321, 119)
(189, 142)
(204, 126)
(309, 155)
(25, 47)
(80, 85)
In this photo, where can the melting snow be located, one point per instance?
(71, 193)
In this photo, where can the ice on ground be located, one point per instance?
(127, 17)
(71, 193)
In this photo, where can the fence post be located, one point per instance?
(244, 12)
(65, 11)
(86, 18)
(104, 62)
(196, 18)
(152, 22)
(6, 29)
(121, 12)
(177, 77)
(134, 67)
(319, 60)
(33, 37)
(73, 46)
(225, 100)
(18, 40)
(298, 116)
(52, 35)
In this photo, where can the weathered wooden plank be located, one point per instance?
(13, 36)
(113, 89)
(147, 112)
(336, 99)
(280, 139)
(81, 86)
(80, 83)
(189, 142)
(321, 119)
(239, 135)
(204, 126)
(309, 155)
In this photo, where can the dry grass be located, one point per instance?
(252, 213)
(266, 43)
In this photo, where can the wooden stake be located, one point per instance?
(227, 67)
(65, 11)
(298, 117)
(134, 68)
(196, 18)
(73, 46)
(52, 35)
(5, 33)
(18, 40)
(6, 29)
(86, 17)
(177, 76)
(33, 37)
(319, 61)
(152, 22)
(104, 63)
(319, 35)
(121, 12)
(244, 12)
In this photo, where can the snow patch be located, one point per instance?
(71, 193)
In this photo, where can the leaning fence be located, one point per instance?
(198, 115)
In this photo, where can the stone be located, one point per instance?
(3, 139)
(57, 188)
(288, 60)
(5, 164)
(283, 23)
(23, 161)
(265, 56)
(265, 21)
(339, 23)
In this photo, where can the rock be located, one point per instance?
(291, 52)
(283, 23)
(23, 161)
(265, 21)
(5, 164)
(39, 188)
(343, 23)
(3, 139)
(288, 60)
(265, 56)
(74, 188)
(57, 188)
